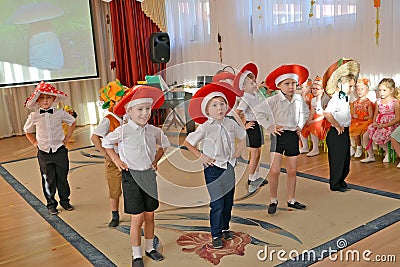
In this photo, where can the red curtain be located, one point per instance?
(131, 30)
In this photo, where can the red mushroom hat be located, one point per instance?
(226, 78)
(198, 103)
(44, 88)
(241, 76)
(138, 95)
(293, 71)
(337, 70)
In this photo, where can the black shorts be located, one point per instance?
(140, 191)
(287, 144)
(255, 136)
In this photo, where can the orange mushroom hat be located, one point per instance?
(112, 93)
(363, 80)
(318, 81)
(138, 95)
(241, 76)
(338, 69)
(44, 88)
(198, 103)
(293, 71)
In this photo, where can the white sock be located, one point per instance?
(137, 252)
(148, 244)
(251, 177)
(304, 141)
(256, 175)
(291, 201)
(315, 142)
(274, 200)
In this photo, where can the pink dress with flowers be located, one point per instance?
(385, 115)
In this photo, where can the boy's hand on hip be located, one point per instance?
(275, 130)
(207, 161)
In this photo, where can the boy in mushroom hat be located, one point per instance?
(209, 107)
(284, 115)
(109, 96)
(245, 81)
(339, 80)
(140, 147)
(50, 141)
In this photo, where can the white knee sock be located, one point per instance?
(315, 142)
(137, 252)
(148, 245)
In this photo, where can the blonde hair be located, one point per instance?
(397, 93)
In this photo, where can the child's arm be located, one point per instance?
(32, 138)
(242, 120)
(311, 116)
(370, 113)
(159, 154)
(376, 112)
(207, 161)
(353, 111)
(115, 158)
(331, 119)
(96, 140)
(239, 148)
(70, 131)
(265, 118)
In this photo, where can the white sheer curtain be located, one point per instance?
(83, 94)
(188, 25)
(275, 32)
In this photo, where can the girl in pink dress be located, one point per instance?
(362, 112)
(386, 119)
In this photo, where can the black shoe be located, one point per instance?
(217, 243)
(297, 205)
(53, 210)
(262, 184)
(155, 255)
(68, 207)
(272, 208)
(113, 223)
(227, 235)
(339, 189)
(138, 262)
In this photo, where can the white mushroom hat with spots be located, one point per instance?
(44, 88)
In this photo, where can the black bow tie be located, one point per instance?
(44, 111)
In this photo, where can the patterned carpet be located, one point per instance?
(332, 220)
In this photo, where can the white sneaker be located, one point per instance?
(358, 153)
(386, 159)
(304, 150)
(398, 165)
(313, 153)
(352, 151)
(369, 159)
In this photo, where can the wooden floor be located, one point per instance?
(27, 239)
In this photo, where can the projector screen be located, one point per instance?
(49, 40)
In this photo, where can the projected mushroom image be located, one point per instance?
(45, 51)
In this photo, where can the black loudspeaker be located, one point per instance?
(159, 47)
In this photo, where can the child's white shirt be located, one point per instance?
(48, 127)
(278, 110)
(137, 145)
(247, 103)
(340, 110)
(218, 140)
